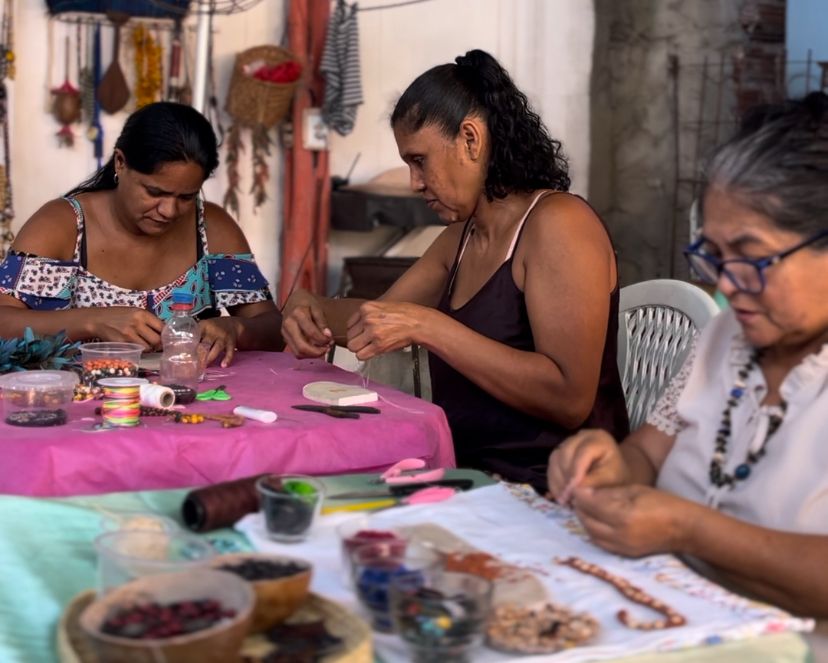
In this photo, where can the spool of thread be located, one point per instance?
(157, 395)
(121, 401)
(265, 416)
(220, 505)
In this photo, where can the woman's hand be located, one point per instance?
(304, 327)
(379, 327)
(219, 335)
(590, 458)
(125, 324)
(636, 520)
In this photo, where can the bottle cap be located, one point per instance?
(182, 297)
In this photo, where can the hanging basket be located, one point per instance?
(254, 102)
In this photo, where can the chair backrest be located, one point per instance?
(658, 319)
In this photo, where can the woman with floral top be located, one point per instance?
(102, 261)
(730, 469)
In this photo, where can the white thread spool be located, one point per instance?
(156, 395)
(265, 416)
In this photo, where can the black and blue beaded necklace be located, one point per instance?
(718, 477)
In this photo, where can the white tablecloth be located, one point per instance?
(520, 528)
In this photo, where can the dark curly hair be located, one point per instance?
(777, 164)
(523, 155)
(156, 134)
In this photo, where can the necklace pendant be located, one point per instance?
(742, 472)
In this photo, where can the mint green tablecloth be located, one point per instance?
(46, 558)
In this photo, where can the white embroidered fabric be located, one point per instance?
(664, 415)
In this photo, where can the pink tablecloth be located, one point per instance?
(74, 459)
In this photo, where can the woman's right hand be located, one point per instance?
(304, 327)
(125, 323)
(590, 458)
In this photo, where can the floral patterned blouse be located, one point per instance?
(217, 280)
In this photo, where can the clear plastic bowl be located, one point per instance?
(109, 359)
(127, 554)
(37, 398)
(113, 521)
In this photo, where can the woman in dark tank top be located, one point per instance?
(516, 301)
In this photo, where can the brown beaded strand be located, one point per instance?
(633, 593)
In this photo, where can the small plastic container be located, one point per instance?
(108, 359)
(124, 555)
(290, 504)
(37, 398)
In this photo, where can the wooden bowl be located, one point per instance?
(276, 598)
(219, 643)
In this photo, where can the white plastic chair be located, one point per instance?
(658, 319)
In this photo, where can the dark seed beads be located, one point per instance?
(718, 477)
(633, 593)
(154, 620)
(37, 418)
(253, 569)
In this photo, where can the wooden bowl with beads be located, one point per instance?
(280, 583)
(218, 642)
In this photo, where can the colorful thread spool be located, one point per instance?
(121, 401)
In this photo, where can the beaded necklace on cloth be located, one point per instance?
(718, 477)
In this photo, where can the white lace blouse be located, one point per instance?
(787, 488)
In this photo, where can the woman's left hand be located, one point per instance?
(635, 520)
(379, 327)
(219, 335)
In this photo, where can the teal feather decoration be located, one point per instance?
(32, 352)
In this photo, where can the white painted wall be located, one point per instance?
(545, 44)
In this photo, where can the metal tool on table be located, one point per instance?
(339, 411)
(402, 490)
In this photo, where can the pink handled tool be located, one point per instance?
(394, 474)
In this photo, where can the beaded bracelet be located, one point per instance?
(633, 593)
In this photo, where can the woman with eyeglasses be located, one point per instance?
(731, 468)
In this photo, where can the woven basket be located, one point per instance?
(252, 102)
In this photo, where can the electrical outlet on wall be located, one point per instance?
(314, 130)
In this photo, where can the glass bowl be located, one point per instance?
(290, 504)
(440, 616)
(126, 554)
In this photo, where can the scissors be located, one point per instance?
(403, 472)
(339, 411)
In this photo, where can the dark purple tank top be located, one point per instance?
(489, 434)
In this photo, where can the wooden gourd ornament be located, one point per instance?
(66, 106)
(113, 91)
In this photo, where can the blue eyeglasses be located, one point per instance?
(746, 274)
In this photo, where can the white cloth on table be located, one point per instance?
(519, 527)
(788, 488)
(340, 67)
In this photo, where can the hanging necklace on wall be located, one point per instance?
(767, 427)
(7, 71)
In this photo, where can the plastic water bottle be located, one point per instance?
(179, 343)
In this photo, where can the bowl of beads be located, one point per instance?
(290, 504)
(440, 616)
(126, 554)
(37, 398)
(108, 359)
(358, 532)
(375, 567)
(112, 521)
(201, 615)
(280, 584)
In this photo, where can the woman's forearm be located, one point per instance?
(75, 322)
(260, 332)
(782, 568)
(527, 381)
